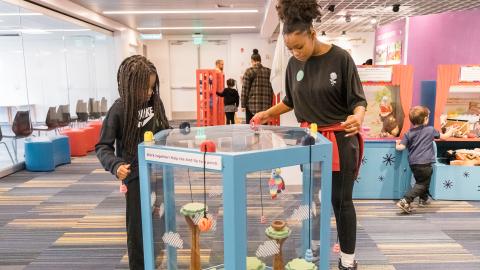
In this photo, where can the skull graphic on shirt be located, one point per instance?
(333, 78)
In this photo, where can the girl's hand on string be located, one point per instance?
(352, 125)
(123, 171)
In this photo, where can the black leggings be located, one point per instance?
(342, 188)
(134, 225)
(248, 116)
(423, 176)
(230, 118)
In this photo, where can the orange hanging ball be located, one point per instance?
(205, 224)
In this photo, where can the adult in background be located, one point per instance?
(257, 92)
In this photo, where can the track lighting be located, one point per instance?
(323, 33)
(396, 8)
(348, 18)
(331, 8)
(373, 20)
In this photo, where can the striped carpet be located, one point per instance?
(73, 218)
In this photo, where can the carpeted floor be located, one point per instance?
(73, 218)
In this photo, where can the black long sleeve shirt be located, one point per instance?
(109, 149)
(230, 96)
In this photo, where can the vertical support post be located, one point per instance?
(144, 170)
(326, 205)
(305, 200)
(170, 215)
(235, 219)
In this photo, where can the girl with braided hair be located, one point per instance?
(323, 87)
(138, 109)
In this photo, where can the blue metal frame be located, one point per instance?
(235, 167)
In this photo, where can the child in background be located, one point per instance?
(421, 154)
(139, 109)
(230, 100)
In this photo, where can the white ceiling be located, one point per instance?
(35, 23)
(183, 20)
(362, 11)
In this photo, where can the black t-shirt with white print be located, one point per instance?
(325, 89)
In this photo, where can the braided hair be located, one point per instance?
(297, 15)
(133, 81)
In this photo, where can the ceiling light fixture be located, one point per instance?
(396, 8)
(44, 31)
(224, 6)
(318, 19)
(348, 18)
(323, 33)
(196, 28)
(344, 33)
(21, 14)
(331, 8)
(373, 20)
(181, 11)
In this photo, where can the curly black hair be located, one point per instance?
(297, 15)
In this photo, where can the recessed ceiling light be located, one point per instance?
(151, 36)
(348, 18)
(43, 31)
(195, 27)
(181, 11)
(21, 14)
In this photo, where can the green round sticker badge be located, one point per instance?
(300, 75)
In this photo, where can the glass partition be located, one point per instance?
(46, 62)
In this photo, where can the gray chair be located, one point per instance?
(103, 106)
(63, 114)
(81, 111)
(6, 147)
(93, 108)
(51, 121)
(21, 127)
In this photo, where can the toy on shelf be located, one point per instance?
(388, 96)
(464, 157)
(387, 113)
(458, 100)
(457, 105)
(278, 232)
(276, 183)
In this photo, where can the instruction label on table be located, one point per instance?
(470, 74)
(375, 74)
(212, 162)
